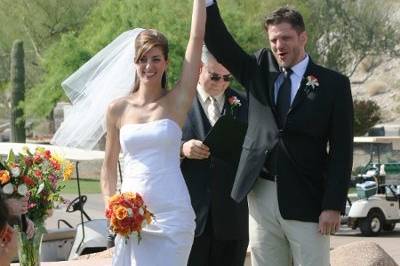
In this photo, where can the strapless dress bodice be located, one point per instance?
(150, 148)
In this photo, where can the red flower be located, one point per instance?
(28, 181)
(37, 159)
(55, 165)
(47, 154)
(38, 173)
(109, 213)
(28, 161)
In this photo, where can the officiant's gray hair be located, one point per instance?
(206, 55)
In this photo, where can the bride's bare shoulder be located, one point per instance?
(117, 106)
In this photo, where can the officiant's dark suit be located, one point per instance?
(309, 157)
(221, 223)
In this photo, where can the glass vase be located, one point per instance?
(29, 249)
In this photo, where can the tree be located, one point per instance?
(341, 33)
(39, 24)
(18, 92)
(366, 115)
(344, 33)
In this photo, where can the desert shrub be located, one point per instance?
(367, 114)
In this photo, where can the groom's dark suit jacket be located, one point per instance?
(210, 181)
(311, 176)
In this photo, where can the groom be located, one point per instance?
(221, 223)
(297, 154)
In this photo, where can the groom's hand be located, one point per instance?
(329, 222)
(195, 149)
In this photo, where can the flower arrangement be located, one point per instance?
(234, 103)
(37, 175)
(128, 214)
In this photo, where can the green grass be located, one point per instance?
(88, 186)
(352, 190)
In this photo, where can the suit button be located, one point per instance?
(281, 132)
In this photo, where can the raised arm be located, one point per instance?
(186, 88)
(225, 49)
(108, 175)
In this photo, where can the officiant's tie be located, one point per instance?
(283, 100)
(212, 110)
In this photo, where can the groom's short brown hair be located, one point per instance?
(288, 15)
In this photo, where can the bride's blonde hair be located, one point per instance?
(145, 41)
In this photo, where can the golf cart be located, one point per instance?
(89, 236)
(378, 204)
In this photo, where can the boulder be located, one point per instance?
(108, 253)
(361, 253)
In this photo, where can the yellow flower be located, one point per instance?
(4, 176)
(58, 158)
(68, 170)
(40, 150)
(121, 213)
(130, 196)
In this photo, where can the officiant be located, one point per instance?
(221, 223)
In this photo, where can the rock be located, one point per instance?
(361, 253)
(99, 255)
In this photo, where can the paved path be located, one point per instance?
(390, 242)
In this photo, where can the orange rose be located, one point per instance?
(121, 213)
(4, 176)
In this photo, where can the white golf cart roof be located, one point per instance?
(72, 154)
(383, 139)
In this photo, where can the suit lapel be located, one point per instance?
(271, 81)
(272, 76)
(199, 120)
(301, 93)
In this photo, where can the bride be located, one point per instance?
(144, 121)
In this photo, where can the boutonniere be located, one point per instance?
(312, 84)
(234, 103)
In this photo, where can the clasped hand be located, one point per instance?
(195, 149)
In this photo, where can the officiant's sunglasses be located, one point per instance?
(217, 77)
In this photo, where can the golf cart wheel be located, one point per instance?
(389, 227)
(372, 225)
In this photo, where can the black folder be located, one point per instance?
(226, 137)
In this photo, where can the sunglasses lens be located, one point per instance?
(228, 78)
(215, 78)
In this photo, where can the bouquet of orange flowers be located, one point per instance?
(128, 214)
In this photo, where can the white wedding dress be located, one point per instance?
(152, 168)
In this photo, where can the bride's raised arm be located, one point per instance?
(185, 89)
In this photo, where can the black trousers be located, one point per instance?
(209, 251)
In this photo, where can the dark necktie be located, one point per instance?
(283, 100)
